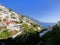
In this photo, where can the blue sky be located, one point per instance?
(42, 10)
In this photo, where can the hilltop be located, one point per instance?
(13, 24)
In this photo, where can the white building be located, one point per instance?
(12, 26)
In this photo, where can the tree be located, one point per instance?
(52, 37)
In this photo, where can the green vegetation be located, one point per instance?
(0, 28)
(12, 16)
(8, 33)
(32, 29)
(10, 10)
(0, 9)
(0, 20)
(21, 17)
(36, 25)
(20, 22)
(26, 28)
(52, 37)
(5, 34)
(28, 39)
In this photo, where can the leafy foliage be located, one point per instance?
(5, 34)
(52, 37)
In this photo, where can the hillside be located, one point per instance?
(13, 24)
(52, 37)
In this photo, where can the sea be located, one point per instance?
(45, 25)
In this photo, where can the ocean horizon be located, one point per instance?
(45, 25)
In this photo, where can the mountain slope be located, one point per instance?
(52, 37)
(13, 24)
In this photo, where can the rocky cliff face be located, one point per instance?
(12, 23)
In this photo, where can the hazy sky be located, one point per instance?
(42, 10)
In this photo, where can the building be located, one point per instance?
(13, 27)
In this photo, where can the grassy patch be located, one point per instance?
(5, 34)
(26, 28)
